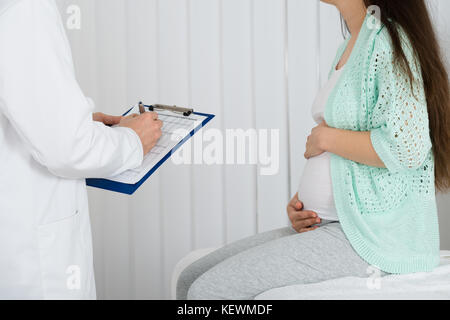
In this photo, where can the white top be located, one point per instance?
(316, 189)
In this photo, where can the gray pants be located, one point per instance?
(247, 268)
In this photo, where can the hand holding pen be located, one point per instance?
(146, 125)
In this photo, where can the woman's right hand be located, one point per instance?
(302, 221)
(147, 126)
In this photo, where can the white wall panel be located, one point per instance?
(443, 26)
(206, 96)
(442, 20)
(271, 106)
(330, 38)
(176, 183)
(145, 230)
(239, 111)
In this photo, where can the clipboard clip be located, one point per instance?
(184, 111)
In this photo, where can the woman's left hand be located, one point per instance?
(107, 119)
(314, 145)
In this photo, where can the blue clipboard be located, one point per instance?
(130, 189)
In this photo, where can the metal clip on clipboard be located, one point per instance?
(184, 111)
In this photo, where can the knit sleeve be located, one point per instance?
(401, 136)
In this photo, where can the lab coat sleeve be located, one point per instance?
(44, 103)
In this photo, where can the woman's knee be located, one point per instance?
(212, 285)
(220, 283)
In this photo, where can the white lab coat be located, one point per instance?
(49, 145)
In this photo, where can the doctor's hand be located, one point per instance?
(106, 119)
(302, 221)
(147, 126)
(314, 145)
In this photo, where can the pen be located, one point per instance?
(141, 108)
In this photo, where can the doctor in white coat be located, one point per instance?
(49, 144)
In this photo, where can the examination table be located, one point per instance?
(423, 286)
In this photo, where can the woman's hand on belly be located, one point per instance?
(314, 145)
(302, 221)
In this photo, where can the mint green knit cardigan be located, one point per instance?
(388, 215)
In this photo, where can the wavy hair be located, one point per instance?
(414, 18)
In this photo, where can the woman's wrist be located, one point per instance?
(326, 139)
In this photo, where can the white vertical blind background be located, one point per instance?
(441, 13)
(206, 91)
(253, 63)
(240, 205)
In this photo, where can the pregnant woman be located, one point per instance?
(380, 150)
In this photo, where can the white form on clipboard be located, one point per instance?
(179, 125)
(173, 124)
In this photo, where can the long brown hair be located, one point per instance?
(414, 18)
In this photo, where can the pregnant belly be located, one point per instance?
(316, 190)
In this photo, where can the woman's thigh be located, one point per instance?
(195, 270)
(310, 257)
